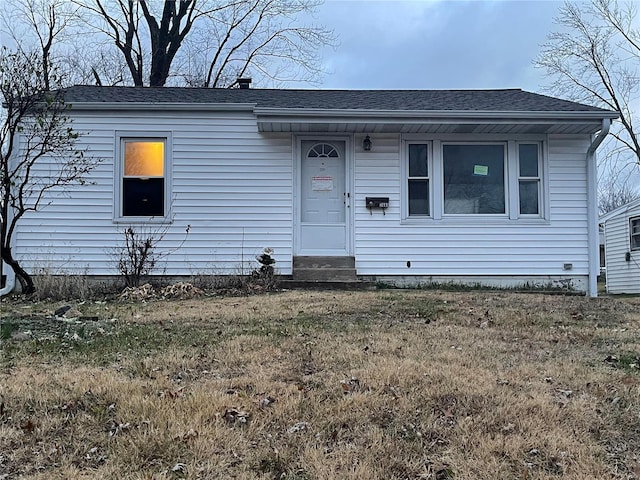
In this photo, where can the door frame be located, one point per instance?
(297, 190)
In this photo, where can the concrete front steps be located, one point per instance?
(326, 273)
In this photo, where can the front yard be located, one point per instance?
(319, 385)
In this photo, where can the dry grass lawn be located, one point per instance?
(323, 385)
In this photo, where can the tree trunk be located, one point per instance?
(26, 282)
(159, 71)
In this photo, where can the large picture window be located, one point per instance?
(474, 178)
(143, 177)
(449, 180)
(634, 227)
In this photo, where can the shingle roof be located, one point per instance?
(510, 100)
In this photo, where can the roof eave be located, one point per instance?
(434, 114)
(346, 113)
(155, 106)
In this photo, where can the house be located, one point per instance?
(622, 248)
(493, 187)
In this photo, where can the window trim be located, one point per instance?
(631, 234)
(120, 138)
(405, 180)
(539, 179)
(436, 169)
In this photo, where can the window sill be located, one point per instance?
(473, 220)
(143, 220)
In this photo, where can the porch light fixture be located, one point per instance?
(366, 143)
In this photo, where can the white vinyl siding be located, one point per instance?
(234, 187)
(230, 183)
(623, 276)
(470, 246)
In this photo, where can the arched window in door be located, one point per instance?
(323, 150)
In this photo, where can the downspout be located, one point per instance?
(592, 207)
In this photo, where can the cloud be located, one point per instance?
(446, 44)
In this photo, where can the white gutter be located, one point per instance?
(493, 114)
(592, 208)
(11, 280)
(354, 114)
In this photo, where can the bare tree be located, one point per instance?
(210, 43)
(613, 196)
(594, 58)
(618, 182)
(38, 151)
(43, 26)
(58, 30)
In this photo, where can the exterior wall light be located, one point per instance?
(366, 143)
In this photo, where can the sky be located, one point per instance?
(446, 44)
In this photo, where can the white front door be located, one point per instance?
(323, 219)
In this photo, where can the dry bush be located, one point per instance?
(306, 385)
(61, 285)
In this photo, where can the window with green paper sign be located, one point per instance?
(474, 179)
(446, 180)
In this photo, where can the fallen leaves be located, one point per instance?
(189, 435)
(266, 401)
(27, 425)
(234, 416)
(119, 428)
(143, 292)
(298, 427)
(172, 393)
(180, 290)
(351, 385)
(563, 396)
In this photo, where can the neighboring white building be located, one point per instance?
(622, 248)
(496, 187)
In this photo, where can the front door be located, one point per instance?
(323, 219)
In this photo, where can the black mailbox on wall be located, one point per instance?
(377, 202)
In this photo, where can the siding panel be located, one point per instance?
(230, 183)
(234, 187)
(622, 276)
(384, 244)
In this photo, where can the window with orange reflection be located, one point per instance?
(143, 158)
(143, 182)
